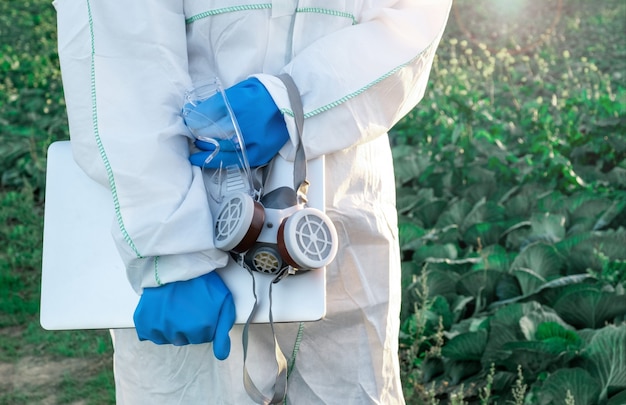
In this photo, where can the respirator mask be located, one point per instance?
(267, 228)
(275, 234)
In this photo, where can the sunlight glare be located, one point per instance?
(508, 8)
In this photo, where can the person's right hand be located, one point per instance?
(261, 123)
(194, 311)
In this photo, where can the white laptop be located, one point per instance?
(84, 285)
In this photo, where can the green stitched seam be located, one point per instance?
(327, 11)
(294, 353)
(194, 18)
(157, 278)
(350, 96)
(296, 349)
(267, 6)
(96, 131)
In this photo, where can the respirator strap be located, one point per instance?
(280, 384)
(301, 186)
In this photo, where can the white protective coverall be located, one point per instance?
(360, 66)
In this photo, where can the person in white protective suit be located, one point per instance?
(359, 66)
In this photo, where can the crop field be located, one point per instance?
(511, 187)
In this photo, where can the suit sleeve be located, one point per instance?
(357, 82)
(124, 67)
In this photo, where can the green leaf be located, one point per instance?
(408, 233)
(566, 245)
(586, 254)
(530, 322)
(454, 214)
(479, 175)
(431, 367)
(440, 307)
(483, 234)
(551, 350)
(459, 370)
(616, 208)
(541, 258)
(534, 357)
(552, 202)
(547, 227)
(528, 280)
(405, 201)
(429, 212)
(508, 288)
(480, 283)
(520, 202)
(408, 163)
(618, 399)
(581, 225)
(580, 384)
(466, 346)
(446, 251)
(11, 150)
(617, 176)
(476, 191)
(546, 289)
(589, 306)
(482, 211)
(495, 259)
(503, 380)
(606, 353)
(520, 206)
(460, 304)
(493, 250)
(579, 199)
(441, 282)
(410, 270)
(552, 330)
(592, 208)
(504, 327)
(459, 266)
(597, 213)
(467, 325)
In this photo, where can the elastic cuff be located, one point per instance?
(277, 90)
(155, 271)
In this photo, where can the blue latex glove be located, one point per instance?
(195, 311)
(262, 126)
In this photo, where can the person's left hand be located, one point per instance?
(195, 311)
(262, 126)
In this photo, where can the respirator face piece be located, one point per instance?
(276, 232)
(238, 223)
